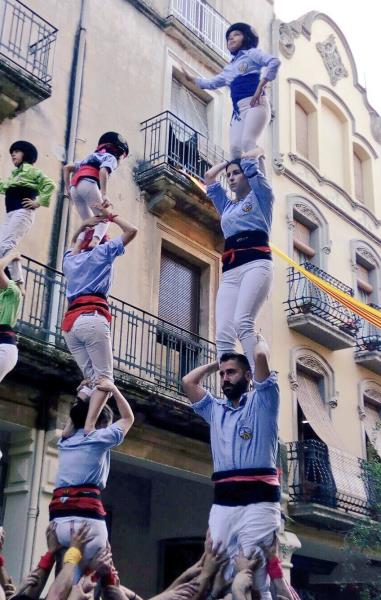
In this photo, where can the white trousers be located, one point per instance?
(89, 341)
(8, 359)
(241, 294)
(16, 225)
(66, 526)
(86, 196)
(246, 527)
(245, 132)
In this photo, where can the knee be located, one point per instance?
(244, 325)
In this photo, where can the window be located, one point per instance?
(179, 292)
(333, 144)
(301, 130)
(359, 177)
(364, 286)
(302, 243)
(189, 108)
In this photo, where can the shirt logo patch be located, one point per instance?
(243, 66)
(246, 433)
(247, 207)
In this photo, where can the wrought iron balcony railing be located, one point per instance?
(144, 345)
(27, 40)
(305, 298)
(169, 140)
(327, 476)
(204, 21)
(369, 336)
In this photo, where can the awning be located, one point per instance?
(345, 467)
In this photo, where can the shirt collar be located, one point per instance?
(228, 404)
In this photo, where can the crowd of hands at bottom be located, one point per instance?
(203, 580)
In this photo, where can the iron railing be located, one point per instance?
(169, 140)
(304, 297)
(369, 336)
(27, 40)
(144, 345)
(328, 477)
(204, 21)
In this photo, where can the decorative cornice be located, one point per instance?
(321, 179)
(292, 378)
(287, 32)
(366, 255)
(373, 394)
(332, 59)
(305, 210)
(313, 364)
(278, 163)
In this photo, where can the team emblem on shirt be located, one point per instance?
(247, 206)
(243, 66)
(246, 433)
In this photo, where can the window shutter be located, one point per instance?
(189, 108)
(301, 133)
(364, 286)
(358, 174)
(179, 293)
(303, 251)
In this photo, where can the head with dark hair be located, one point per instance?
(29, 152)
(236, 178)
(78, 415)
(235, 373)
(241, 36)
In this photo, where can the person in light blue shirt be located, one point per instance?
(247, 269)
(86, 323)
(244, 442)
(251, 108)
(83, 469)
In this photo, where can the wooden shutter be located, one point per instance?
(303, 251)
(364, 287)
(179, 293)
(359, 180)
(301, 133)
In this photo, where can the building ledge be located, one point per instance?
(320, 331)
(19, 89)
(370, 359)
(167, 188)
(322, 516)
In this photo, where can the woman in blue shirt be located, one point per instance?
(247, 269)
(251, 108)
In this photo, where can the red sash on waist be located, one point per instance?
(85, 171)
(77, 501)
(231, 253)
(82, 305)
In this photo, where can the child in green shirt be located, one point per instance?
(26, 189)
(10, 299)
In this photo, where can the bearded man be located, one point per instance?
(244, 441)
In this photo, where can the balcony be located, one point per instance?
(327, 487)
(368, 347)
(26, 58)
(173, 167)
(201, 25)
(150, 355)
(315, 314)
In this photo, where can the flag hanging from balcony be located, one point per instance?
(359, 308)
(370, 314)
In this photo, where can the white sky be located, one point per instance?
(360, 22)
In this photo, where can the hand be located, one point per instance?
(213, 559)
(106, 202)
(92, 221)
(84, 382)
(80, 537)
(184, 591)
(30, 580)
(220, 584)
(101, 562)
(83, 590)
(253, 562)
(255, 99)
(51, 538)
(193, 571)
(242, 582)
(28, 203)
(273, 550)
(9, 589)
(105, 385)
(188, 77)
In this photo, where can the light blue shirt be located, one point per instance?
(243, 63)
(90, 272)
(85, 459)
(245, 437)
(254, 212)
(101, 159)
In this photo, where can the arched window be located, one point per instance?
(362, 176)
(334, 144)
(309, 240)
(305, 128)
(366, 266)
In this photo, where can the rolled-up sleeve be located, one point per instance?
(109, 436)
(203, 407)
(212, 83)
(267, 391)
(266, 60)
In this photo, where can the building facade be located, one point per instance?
(86, 70)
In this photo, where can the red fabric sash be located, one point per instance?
(85, 171)
(75, 499)
(231, 253)
(82, 305)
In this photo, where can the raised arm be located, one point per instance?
(67, 171)
(4, 262)
(257, 180)
(212, 173)
(103, 180)
(261, 360)
(192, 382)
(207, 84)
(128, 231)
(126, 415)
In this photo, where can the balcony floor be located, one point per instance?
(322, 516)
(370, 359)
(320, 331)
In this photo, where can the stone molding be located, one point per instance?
(332, 59)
